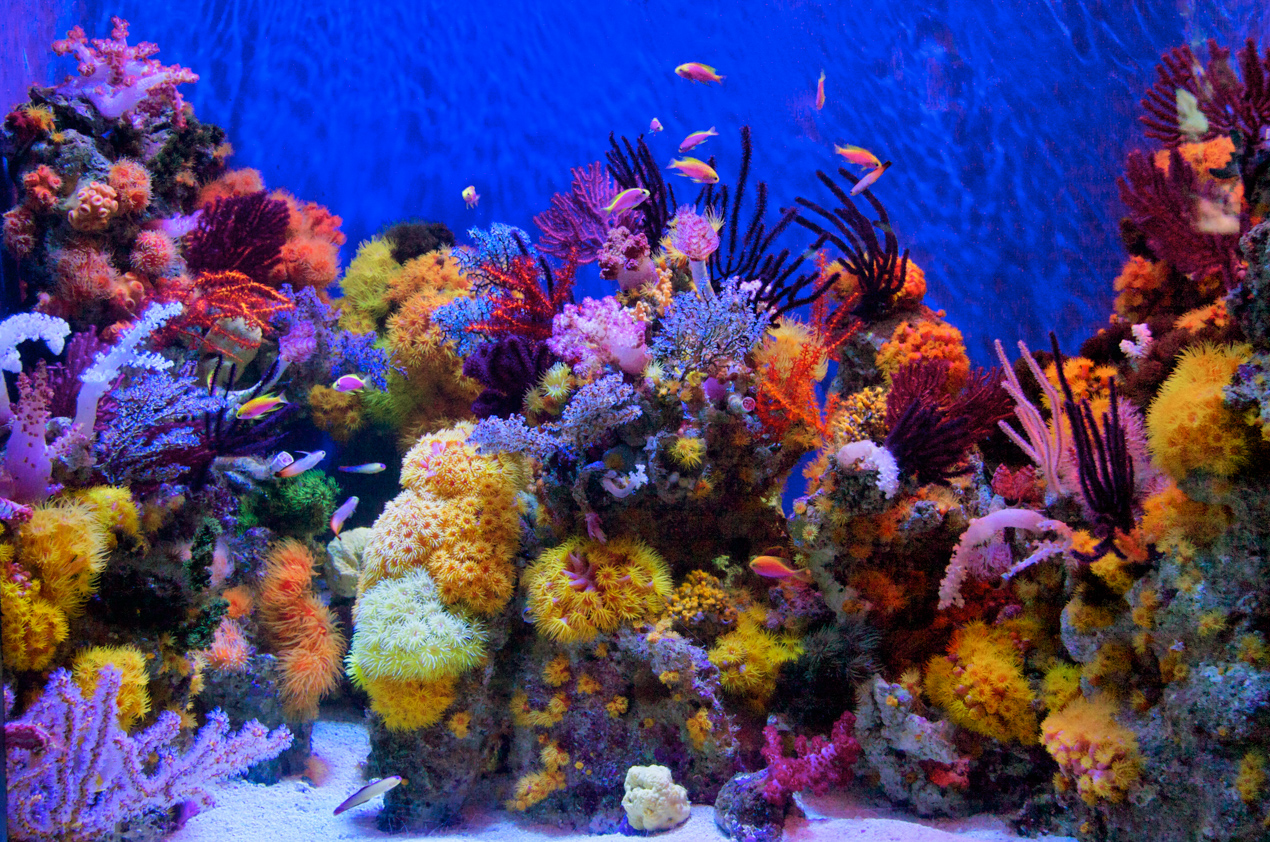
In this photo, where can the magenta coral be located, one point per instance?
(598, 333)
(576, 220)
(56, 792)
(625, 258)
(240, 234)
(818, 763)
(1227, 104)
(117, 78)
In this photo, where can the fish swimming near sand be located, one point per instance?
(368, 792)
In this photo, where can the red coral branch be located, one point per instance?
(527, 295)
(223, 296)
(1226, 102)
(1163, 206)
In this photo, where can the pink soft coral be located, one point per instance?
(117, 78)
(819, 763)
(599, 333)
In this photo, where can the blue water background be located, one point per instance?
(1007, 121)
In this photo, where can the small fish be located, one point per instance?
(349, 383)
(368, 792)
(858, 155)
(820, 91)
(222, 564)
(279, 461)
(263, 405)
(698, 171)
(867, 182)
(343, 513)
(626, 200)
(470, 196)
(696, 72)
(697, 138)
(366, 468)
(299, 466)
(774, 567)
(655, 126)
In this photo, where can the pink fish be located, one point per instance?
(343, 513)
(697, 138)
(349, 383)
(263, 405)
(626, 200)
(698, 171)
(858, 155)
(867, 182)
(299, 466)
(696, 72)
(655, 126)
(774, 567)
(367, 468)
(820, 91)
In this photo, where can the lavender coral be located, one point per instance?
(576, 220)
(697, 333)
(55, 790)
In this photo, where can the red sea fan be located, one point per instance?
(1227, 103)
(221, 296)
(1163, 206)
(240, 234)
(526, 296)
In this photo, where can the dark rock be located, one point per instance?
(743, 814)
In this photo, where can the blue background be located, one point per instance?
(1007, 121)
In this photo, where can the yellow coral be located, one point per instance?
(1060, 686)
(459, 724)
(114, 509)
(582, 587)
(1171, 518)
(699, 728)
(406, 705)
(31, 626)
(688, 451)
(365, 301)
(701, 599)
(65, 545)
(525, 716)
(617, 706)
(1141, 288)
(1189, 426)
(926, 340)
(337, 413)
(1251, 783)
(848, 284)
(556, 671)
(1094, 752)
(980, 684)
(786, 343)
(133, 701)
(749, 659)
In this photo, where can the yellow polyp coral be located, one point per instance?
(980, 683)
(1251, 782)
(556, 671)
(749, 659)
(1141, 288)
(133, 701)
(688, 452)
(701, 599)
(1060, 686)
(583, 587)
(785, 343)
(859, 416)
(700, 727)
(365, 301)
(65, 546)
(525, 716)
(337, 413)
(31, 626)
(1170, 517)
(114, 510)
(617, 706)
(926, 340)
(460, 724)
(847, 284)
(1088, 381)
(535, 786)
(406, 705)
(404, 632)
(1189, 426)
(1214, 315)
(456, 518)
(1094, 753)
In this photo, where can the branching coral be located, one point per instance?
(239, 234)
(576, 220)
(1219, 103)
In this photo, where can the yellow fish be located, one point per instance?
(470, 196)
(774, 567)
(698, 171)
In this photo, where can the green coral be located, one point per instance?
(365, 287)
(297, 507)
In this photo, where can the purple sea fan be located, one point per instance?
(57, 792)
(576, 220)
(240, 234)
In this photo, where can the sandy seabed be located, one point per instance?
(297, 811)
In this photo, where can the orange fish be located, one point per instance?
(820, 91)
(698, 171)
(867, 182)
(696, 72)
(858, 155)
(774, 567)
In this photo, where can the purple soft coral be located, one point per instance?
(576, 220)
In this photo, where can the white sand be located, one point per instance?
(295, 811)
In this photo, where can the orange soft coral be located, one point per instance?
(926, 340)
(131, 183)
(230, 651)
(233, 183)
(1095, 753)
(43, 188)
(93, 206)
(303, 629)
